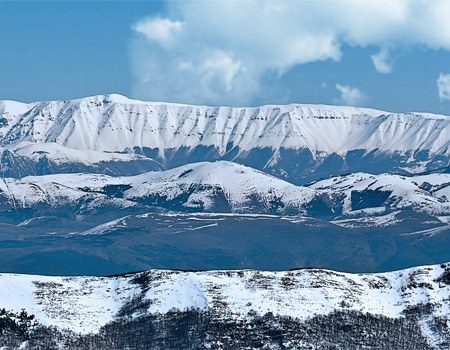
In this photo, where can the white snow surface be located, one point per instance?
(424, 193)
(200, 183)
(56, 191)
(239, 184)
(60, 154)
(84, 304)
(114, 123)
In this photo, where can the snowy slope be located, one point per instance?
(240, 185)
(362, 193)
(95, 122)
(230, 187)
(198, 186)
(114, 123)
(61, 154)
(10, 113)
(55, 192)
(84, 304)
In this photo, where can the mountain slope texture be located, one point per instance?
(106, 185)
(406, 309)
(298, 142)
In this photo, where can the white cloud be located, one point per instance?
(160, 30)
(221, 68)
(351, 96)
(443, 84)
(382, 61)
(221, 51)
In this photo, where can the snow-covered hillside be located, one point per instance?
(115, 123)
(221, 186)
(243, 188)
(230, 187)
(125, 185)
(366, 194)
(114, 128)
(84, 304)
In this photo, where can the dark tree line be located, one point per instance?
(194, 329)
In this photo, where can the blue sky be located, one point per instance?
(392, 55)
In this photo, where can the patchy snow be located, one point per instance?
(240, 189)
(103, 228)
(370, 221)
(430, 232)
(84, 304)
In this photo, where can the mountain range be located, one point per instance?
(105, 185)
(115, 135)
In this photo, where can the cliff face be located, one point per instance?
(300, 143)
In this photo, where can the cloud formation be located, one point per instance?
(160, 30)
(443, 84)
(383, 61)
(220, 52)
(350, 96)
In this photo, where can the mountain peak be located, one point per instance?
(106, 98)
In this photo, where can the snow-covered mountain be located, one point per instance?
(121, 185)
(362, 194)
(227, 187)
(230, 187)
(94, 123)
(408, 307)
(299, 142)
(219, 187)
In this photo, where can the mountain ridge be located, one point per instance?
(297, 142)
(85, 305)
(225, 186)
(120, 98)
(212, 187)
